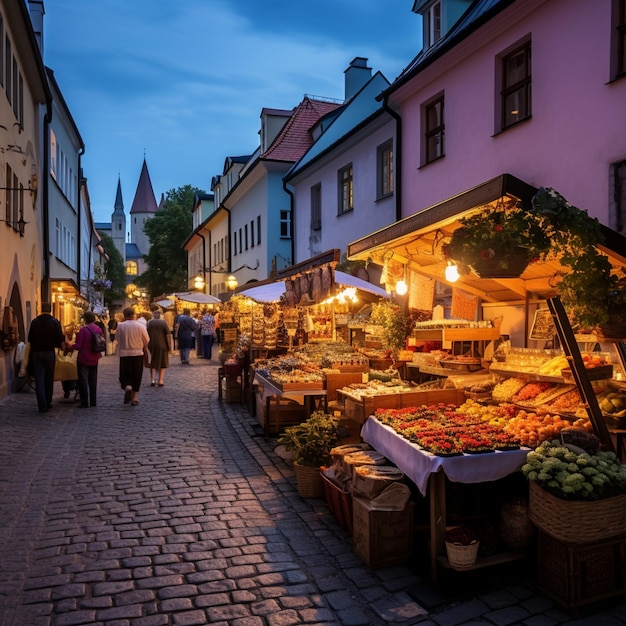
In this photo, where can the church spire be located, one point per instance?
(119, 203)
(144, 201)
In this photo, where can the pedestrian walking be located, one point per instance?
(132, 342)
(197, 335)
(44, 336)
(87, 360)
(207, 332)
(185, 331)
(160, 346)
(112, 330)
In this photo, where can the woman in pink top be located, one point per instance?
(87, 361)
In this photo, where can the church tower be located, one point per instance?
(118, 222)
(143, 208)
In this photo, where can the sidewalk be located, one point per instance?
(175, 512)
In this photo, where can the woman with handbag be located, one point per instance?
(87, 360)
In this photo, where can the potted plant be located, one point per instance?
(310, 443)
(499, 242)
(396, 324)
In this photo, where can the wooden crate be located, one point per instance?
(337, 381)
(579, 574)
(360, 410)
(339, 502)
(382, 538)
(231, 391)
(290, 412)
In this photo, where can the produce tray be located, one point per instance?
(593, 373)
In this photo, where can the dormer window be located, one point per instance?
(432, 24)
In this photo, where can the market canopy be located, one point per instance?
(416, 242)
(197, 298)
(272, 292)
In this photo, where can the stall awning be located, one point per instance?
(271, 292)
(416, 242)
(197, 298)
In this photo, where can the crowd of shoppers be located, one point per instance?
(141, 340)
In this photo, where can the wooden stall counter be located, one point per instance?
(282, 405)
(429, 473)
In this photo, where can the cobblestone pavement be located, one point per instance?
(176, 512)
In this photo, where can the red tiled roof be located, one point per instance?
(295, 137)
(144, 201)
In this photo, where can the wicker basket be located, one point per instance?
(462, 556)
(575, 521)
(309, 481)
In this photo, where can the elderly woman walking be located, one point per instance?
(160, 346)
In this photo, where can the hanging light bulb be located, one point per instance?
(401, 287)
(452, 272)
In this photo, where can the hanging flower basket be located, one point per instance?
(502, 264)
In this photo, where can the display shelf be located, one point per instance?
(458, 334)
(526, 375)
(485, 561)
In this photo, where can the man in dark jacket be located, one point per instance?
(45, 334)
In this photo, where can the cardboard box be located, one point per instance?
(382, 538)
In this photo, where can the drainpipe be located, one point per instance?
(45, 279)
(398, 153)
(81, 151)
(291, 221)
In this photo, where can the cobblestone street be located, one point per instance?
(176, 512)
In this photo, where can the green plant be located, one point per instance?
(571, 476)
(592, 291)
(311, 441)
(494, 233)
(396, 324)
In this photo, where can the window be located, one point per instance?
(432, 24)
(316, 207)
(516, 86)
(384, 165)
(252, 233)
(131, 268)
(345, 189)
(1, 51)
(240, 240)
(285, 224)
(245, 232)
(7, 68)
(434, 130)
(620, 39)
(235, 245)
(617, 207)
(258, 230)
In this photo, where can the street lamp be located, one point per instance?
(231, 282)
(198, 282)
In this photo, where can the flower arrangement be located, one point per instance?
(571, 476)
(101, 284)
(493, 235)
(592, 291)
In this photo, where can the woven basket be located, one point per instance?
(309, 481)
(574, 521)
(462, 556)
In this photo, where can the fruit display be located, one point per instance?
(612, 402)
(530, 391)
(531, 428)
(554, 366)
(505, 390)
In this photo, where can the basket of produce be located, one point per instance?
(576, 498)
(461, 548)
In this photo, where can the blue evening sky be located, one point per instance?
(184, 81)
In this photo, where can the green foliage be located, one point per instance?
(113, 270)
(397, 326)
(167, 231)
(573, 476)
(311, 441)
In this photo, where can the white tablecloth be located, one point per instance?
(418, 464)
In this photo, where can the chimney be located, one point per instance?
(36, 10)
(356, 76)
